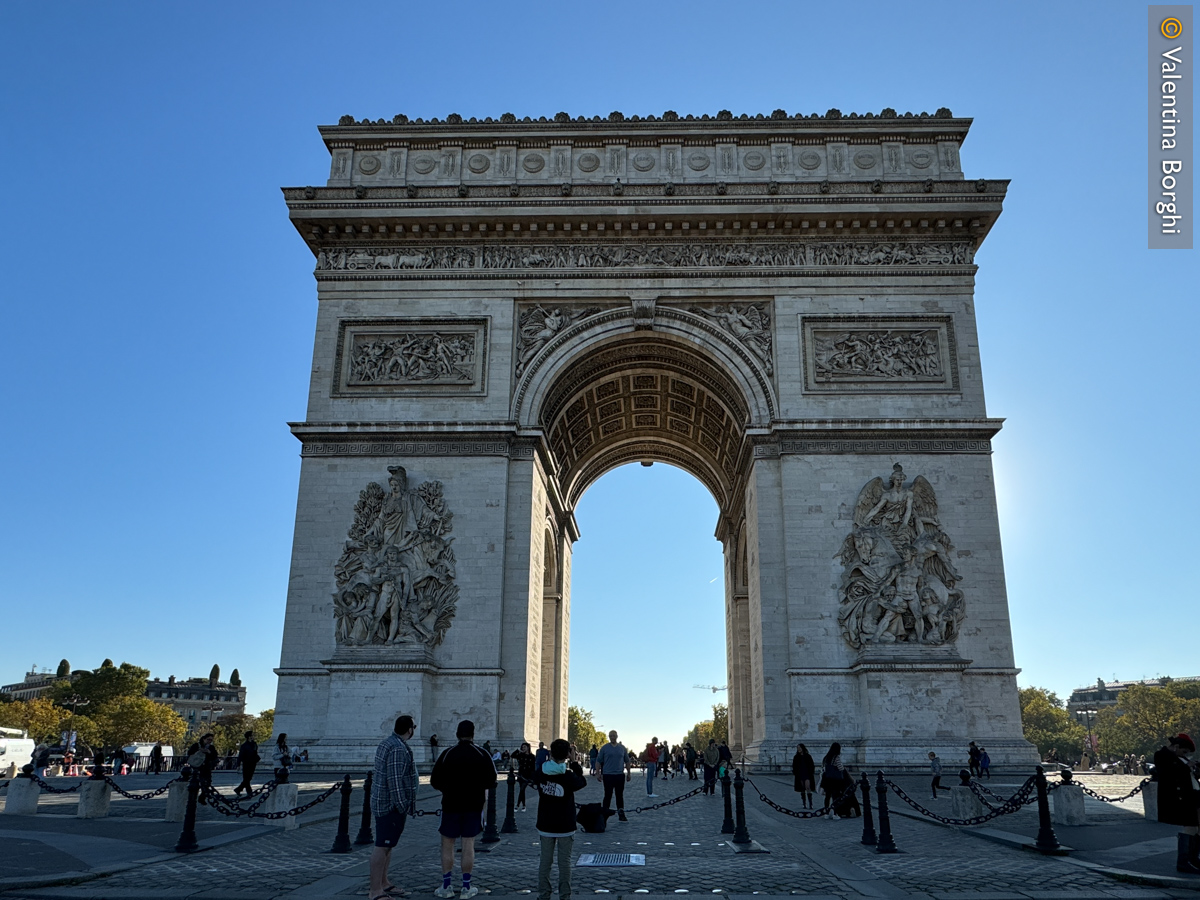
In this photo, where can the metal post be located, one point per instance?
(341, 843)
(364, 830)
(727, 825)
(886, 844)
(490, 834)
(868, 836)
(510, 820)
(187, 838)
(1047, 840)
(740, 834)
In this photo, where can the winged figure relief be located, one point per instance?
(749, 323)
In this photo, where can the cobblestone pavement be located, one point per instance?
(684, 852)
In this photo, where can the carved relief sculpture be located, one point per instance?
(412, 358)
(898, 583)
(750, 324)
(395, 578)
(887, 355)
(538, 326)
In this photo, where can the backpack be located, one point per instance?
(592, 817)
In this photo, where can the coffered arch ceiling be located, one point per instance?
(646, 399)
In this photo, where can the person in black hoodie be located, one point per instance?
(1178, 799)
(557, 781)
(464, 774)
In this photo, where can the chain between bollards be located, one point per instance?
(886, 844)
(490, 835)
(364, 830)
(1047, 840)
(341, 843)
(868, 835)
(727, 825)
(187, 837)
(510, 820)
(740, 834)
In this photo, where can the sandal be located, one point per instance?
(395, 891)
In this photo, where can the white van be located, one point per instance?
(15, 748)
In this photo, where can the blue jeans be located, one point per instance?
(650, 769)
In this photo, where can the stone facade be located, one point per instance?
(782, 306)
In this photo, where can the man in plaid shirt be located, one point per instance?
(393, 799)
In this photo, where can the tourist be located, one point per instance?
(712, 759)
(613, 763)
(247, 758)
(541, 756)
(526, 770)
(118, 761)
(156, 758)
(202, 756)
(592, 754)
(1178, 799)
(804, 773)
(985, 764)
(282, 758)
(833, 778)
(689, 756)
(973, 759)
(464, 774)
(393, 800)
(935, 767)
(726, 758)
(650, 756)
(557, 782)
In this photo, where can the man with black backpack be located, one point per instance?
(464, 774)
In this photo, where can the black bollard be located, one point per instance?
(1047, 840)
(364, 831)
(740, 834)
(868, 836)
(187, 838)
(886, 844)
(964, 777)
(341, 843)
(727, 825)
(490, 835)
(510, 820)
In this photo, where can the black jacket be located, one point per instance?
(556, 801)
(248, 753)
(464, 774)
(804, 768)
(1177, 800)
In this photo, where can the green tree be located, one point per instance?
(101, 685)
(64, 669)
(214, 674)
(1048, 725)
(264, 727)
(125, 720)
(582, 730)
(235, 678)
(720, 722)
(38, 717)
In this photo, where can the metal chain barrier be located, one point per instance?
(3, 785)
(1023, 797)
(267, 786)
(222, 805)
(1087, 790)
(50, 789)
(802, 813)
(146, 796)
(985, 796)
(417, 813)
(637, 809)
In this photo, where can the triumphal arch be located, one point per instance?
(780, 305)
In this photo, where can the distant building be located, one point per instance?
(1104, 694)
(199, 699)
(36, 684)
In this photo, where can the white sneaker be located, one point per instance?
(834, 815)
(445, 892)
(468, 893)
(652, 795)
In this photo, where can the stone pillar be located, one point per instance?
(285, 796)
(176, 801)
(94, 799)
(964, 804)
(1149, 801)
(22, 797)
(1066, 805)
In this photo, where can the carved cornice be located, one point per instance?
(328, 667)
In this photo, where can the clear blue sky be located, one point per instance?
(158, 311)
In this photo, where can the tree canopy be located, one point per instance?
(581, 730)
(101, 685)
(716, 728)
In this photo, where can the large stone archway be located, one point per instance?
(782, 307)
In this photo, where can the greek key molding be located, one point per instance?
(885, 446)
(319, 448)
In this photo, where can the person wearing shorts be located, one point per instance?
(393, 799)
(464, 774)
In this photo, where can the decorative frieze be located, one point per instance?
(702, 255)
(868, 354)
(413, 356)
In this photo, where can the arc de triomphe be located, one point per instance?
(781, 306)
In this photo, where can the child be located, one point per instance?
(557, 782)
(985, 764)
(935, 766)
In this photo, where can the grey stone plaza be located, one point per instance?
(781, 306)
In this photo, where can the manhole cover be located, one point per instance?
(611, 859)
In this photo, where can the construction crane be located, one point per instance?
(711, 687)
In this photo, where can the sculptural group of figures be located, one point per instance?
(694, 254)
(395, 578)
(899, 582)
(419, 357)
(902, 354)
